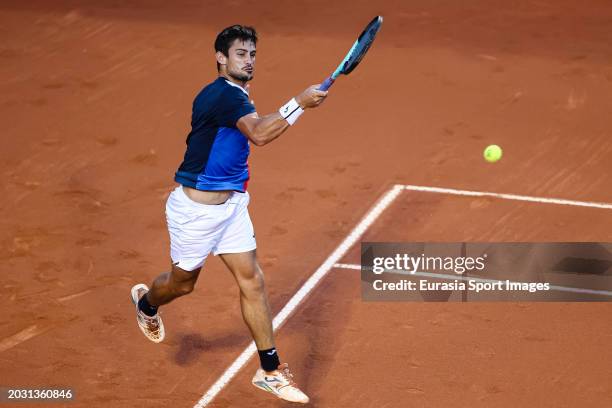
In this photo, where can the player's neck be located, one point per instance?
(233, 80)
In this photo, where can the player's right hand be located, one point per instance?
(311, 97)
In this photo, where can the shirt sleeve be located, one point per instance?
(234, 104)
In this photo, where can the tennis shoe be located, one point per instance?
(151, 326)
(280, 383)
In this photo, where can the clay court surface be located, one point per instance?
(95, 105)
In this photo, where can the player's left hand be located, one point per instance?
(311, 97)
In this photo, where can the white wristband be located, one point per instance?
(291, 111)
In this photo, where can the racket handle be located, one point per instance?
(326, 84)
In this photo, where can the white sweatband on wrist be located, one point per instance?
(291, 111)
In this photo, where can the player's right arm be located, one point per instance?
(262, 130)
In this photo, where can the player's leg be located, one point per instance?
(253, 299)
(236, 247)
(237, 250)
(272, 376)
(194, 230)
(170, 285)
(165, 288)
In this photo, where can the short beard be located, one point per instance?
(240, 76)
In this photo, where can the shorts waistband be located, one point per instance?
(234, 198)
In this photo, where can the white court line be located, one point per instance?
(467, 278)
(514, 197)
(306, 288)
(349, 241)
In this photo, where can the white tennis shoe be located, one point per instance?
(151, 326)
(280, 383)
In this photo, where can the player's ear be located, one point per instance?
(221, 59)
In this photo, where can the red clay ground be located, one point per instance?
(95, 106)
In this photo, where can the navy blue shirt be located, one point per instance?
(217, 152)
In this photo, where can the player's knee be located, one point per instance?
(254, 284)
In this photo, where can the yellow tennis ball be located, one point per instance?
(492, 153)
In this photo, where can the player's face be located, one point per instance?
(241, 60)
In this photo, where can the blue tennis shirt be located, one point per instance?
(217, 152)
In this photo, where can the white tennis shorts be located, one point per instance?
(199, 229)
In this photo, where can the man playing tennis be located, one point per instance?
(207, 212)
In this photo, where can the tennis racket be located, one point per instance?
(356, 53)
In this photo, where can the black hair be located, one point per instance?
(226, 38)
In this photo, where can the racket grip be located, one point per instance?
(326, 84)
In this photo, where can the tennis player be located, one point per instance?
(208, 212)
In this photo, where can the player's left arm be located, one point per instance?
(261, 130)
